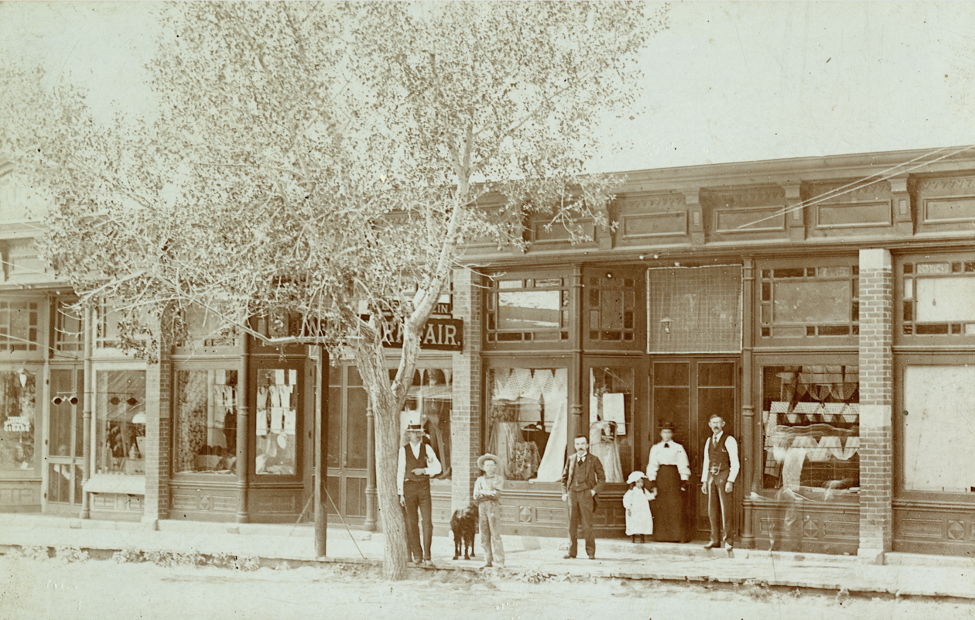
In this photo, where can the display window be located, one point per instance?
(276, 420)
(527, 421)
(120, 422)
(205, 429)
(18, 421)
(936, 428)
(611, 432)
(432, 395)
(811, 419)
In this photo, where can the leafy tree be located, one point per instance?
(330, 162)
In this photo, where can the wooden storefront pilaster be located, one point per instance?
(751, 430)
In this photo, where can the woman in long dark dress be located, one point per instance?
(670, 469)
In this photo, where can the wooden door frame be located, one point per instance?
(695, 433)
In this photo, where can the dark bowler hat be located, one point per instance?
(667, 425)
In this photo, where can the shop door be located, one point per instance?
(64, 449)
(687, 392)
(347, 449)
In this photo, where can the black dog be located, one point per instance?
(464, 525)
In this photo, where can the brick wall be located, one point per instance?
(158, 437)
(465, 419)
(876, 399)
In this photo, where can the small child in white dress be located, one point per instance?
(639, 520)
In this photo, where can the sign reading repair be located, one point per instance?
(438, 335)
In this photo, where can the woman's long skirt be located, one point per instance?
(668, 509)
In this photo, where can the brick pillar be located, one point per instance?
(158, 437)
(876, 400)
(465, 418)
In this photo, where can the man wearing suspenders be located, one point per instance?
(417, 463)
(717, 482)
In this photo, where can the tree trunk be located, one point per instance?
(386, 406)
(396, 553)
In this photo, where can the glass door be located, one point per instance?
(687, 392)
(347, 449)
(64, 447)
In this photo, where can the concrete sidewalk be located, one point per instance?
(903, 574)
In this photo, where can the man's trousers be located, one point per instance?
(580, 510)
(721, 513)
(416, 496)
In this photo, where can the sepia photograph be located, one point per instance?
(521, 309)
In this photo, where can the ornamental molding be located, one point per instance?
(850, 191)
(639, 204)
(744, 197)
(949, 185)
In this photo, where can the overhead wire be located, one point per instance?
(861, 183)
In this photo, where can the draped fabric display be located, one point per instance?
(694, 309)
(813, 413)
(522, 400)
(556, 398)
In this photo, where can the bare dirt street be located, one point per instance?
(53, 589)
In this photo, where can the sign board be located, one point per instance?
(438, 335)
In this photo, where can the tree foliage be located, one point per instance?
(330, 161)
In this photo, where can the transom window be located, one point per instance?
(527, 309)
(936, 298)
(68, 328)
(18, 325)
(611, 303)
(810, 301)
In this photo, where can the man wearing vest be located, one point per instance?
(582, 479)
(718, 478)
(417, 463)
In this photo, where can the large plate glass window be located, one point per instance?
(937, 439)
(811, 417)
(276, 421)
(19, 432)
(432, 395)
(611, 431)
(120, 421)
(527, 409)
(205, 421)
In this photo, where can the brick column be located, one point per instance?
(465, 417)
(158, 437)
(876, 400)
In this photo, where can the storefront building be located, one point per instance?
(825, 307)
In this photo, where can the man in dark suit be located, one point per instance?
(582, 479)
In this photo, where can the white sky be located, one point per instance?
(729, 81)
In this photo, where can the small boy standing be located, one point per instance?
(639, 519)
(487, 491)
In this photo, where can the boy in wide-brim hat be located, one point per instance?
(487, 492)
